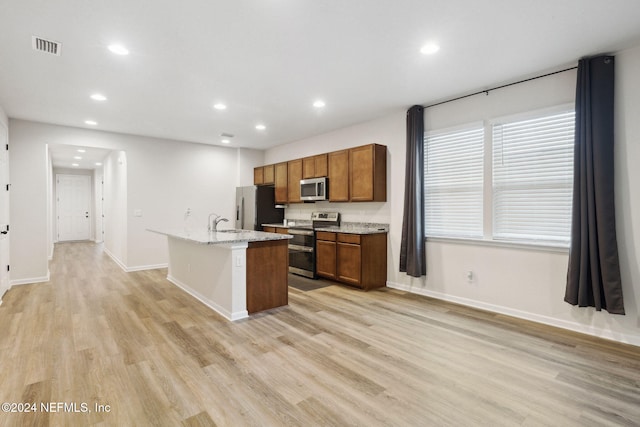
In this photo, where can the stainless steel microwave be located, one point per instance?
(313, 189)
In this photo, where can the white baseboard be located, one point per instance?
(136, 268)
(625, 338)
(31, 280)
(115, 259)
(212, 305)
(146, 267)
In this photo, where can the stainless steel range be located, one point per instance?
(302, 248)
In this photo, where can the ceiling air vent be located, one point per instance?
(46, 46)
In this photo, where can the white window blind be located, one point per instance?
(532, 178)
(453, 183)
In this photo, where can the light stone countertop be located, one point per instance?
(221, 236)
(346, 227)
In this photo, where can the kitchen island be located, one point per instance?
(234, 272)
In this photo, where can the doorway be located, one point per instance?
(73, 207)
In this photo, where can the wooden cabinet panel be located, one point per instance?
(339, 176)
(349, 238)
(281, 230)
(280, 180)
(315, 166)
(269, 176)
(269, 229)
(294, 173)
(267, 282)
(258, 176)
(308, 168)
(321, 165)
(326, 235)
(326, 259)
(368, 173)
(349, 264)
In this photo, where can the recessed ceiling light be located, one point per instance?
(225, 141)
(81, 150)
(220, 106)
(261, 127)
(98, 164)
(429, 49)
(75, 164)
(319, 103)
(118, 49)
(77, 157)
(90, 123)
(98, 97)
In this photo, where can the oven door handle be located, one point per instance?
(301, 248)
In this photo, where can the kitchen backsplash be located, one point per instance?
(367, 212)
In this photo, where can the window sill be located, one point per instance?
(543, 247)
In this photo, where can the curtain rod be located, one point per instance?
(486, 91)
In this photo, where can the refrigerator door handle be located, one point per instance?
(242, 220)
(237, 212)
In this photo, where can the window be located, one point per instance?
(532, 178)
(453, 183)
(519, 176)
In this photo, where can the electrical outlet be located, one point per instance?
(187, 212)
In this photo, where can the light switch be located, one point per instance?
(137, 212)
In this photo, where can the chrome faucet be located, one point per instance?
(213, 225)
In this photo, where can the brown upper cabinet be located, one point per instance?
(368, 173)
(315, 166)
(280, 180)
(269, 176)
(258, 175)
(294, 174)
(339, 176)
(356, 174)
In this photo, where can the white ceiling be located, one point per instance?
(268, 60)
(65, 156)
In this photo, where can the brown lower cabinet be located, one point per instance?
(355, 259)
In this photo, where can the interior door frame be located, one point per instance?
(5, 245)
(90, 208)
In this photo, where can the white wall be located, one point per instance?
(163, 179)
(29, 213)
(115, 206)
(247, 160)
(522, 282)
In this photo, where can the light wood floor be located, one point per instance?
(334, 357)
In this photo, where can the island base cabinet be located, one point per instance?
(267, 278)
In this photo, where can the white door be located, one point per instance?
(73, 201)
(4, 211)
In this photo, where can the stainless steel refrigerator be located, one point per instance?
(255, 205)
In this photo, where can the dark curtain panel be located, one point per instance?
(593, 277)
(412, 247)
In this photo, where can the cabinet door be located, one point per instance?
(326, 259)
(269, 229)
(349, 263)
(269, 177)
(258, 176)
(294, 176)
(308, 167)
(280, 172)
(368, 173)
(339, 176)
(321, 166)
